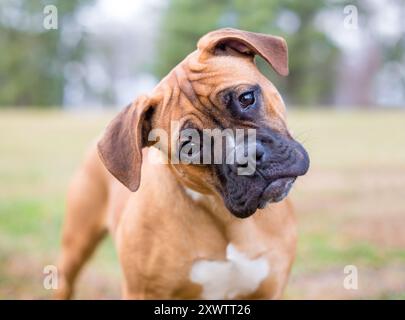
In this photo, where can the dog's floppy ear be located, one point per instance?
(121, 146)
(271, 48)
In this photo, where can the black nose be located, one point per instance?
(271, 156)
(277, 158)
(281, 157)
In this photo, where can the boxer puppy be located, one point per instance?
(188, 227)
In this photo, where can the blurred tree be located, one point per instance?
(312, 53)
(31, 66)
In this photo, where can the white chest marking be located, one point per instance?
(237, 275)
(196, 196)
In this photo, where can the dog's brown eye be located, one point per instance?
(246, 99)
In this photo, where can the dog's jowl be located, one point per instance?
(213, 220)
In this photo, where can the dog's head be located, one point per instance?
(219, 88)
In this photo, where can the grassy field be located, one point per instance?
(350, 207)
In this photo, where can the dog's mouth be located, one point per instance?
(276, 191)
(243, 202)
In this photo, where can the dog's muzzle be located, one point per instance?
(265, 177)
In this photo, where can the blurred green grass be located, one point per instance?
(350, 207)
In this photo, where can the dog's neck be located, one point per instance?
(214, 206)
(212, 203)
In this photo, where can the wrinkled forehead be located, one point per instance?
(221, 72)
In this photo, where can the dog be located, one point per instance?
(193, 230)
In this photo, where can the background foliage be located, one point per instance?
(38, 65)
(31, 66)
